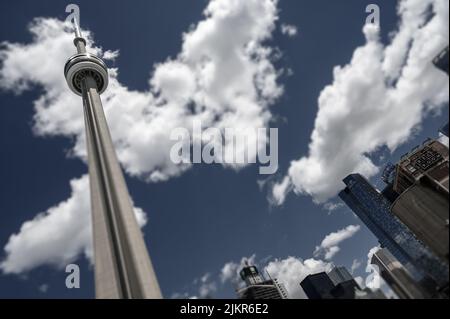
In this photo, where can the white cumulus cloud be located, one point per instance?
(376, 100)
(57, 236)
(289, 30)
(373, 280)
(279, 191)
(329, 246)
(223, 77)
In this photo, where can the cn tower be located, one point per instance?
(123, 269)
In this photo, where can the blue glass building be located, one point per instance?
(374, 210)
(441, 60)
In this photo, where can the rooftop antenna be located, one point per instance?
(79, 41)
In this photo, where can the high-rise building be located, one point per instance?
(388, 176)
(426, 163)
(122, 264)
(336, 284)
(397, 277)
(339, 274)
(426, 213)
(374, 210)
(345, 290)
(318, 286)
(441, 61)
(422, 182)
(389, 193)
(282, 288)
(257, 287)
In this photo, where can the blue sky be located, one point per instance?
(209, 215)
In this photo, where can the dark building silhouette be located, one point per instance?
(374, 210)
(345, 290)
(318, 286)
(337, 284)
(389, 193)
(257, 287)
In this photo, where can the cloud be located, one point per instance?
(331, 207)
(203, 287)
(57, 236)
(373, 280)
(330, 244)
(43, 288)
(207, 286)
(289, 30)
(291, 272)
(370, 254)
(279, 191)
(111, 55)
(376, 100)
(223, 76)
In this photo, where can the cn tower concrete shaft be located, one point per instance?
(122, 264)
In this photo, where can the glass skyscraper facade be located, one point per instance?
(339, 274)
(374, 210)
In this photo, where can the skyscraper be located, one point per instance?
(257, 287)
(426, 163)
(396, 276)
(318, 286)
(388, 176)
(422, 182)
(345, 290)
(339, 274)
(336, 284)
(122, 265)
(441, 61)
(374, 210)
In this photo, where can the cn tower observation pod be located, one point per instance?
(81, 65)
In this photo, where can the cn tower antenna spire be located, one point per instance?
(123, 268)
(76, 26)
(79, 41)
